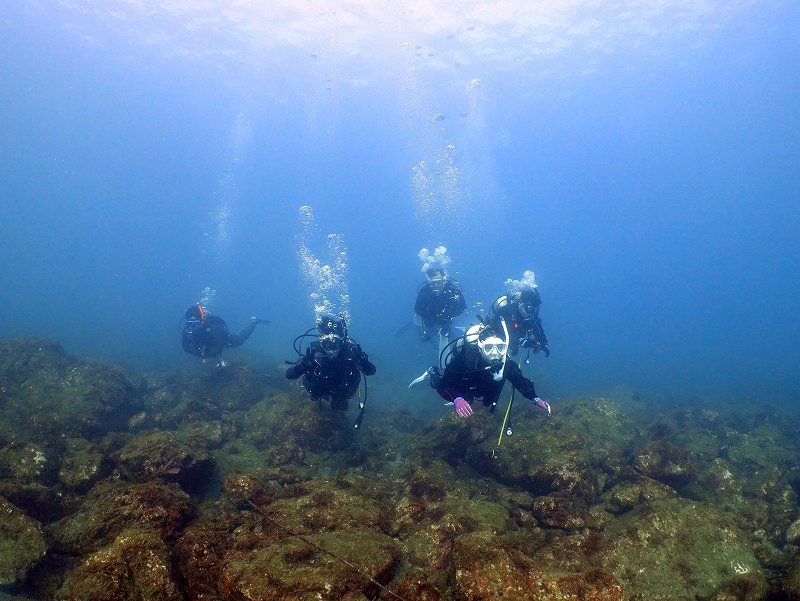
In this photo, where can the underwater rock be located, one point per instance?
(43, 503)
(293, 570)
(485, 568)
(560, 512)
(666, 462)
(764, 447)
(22, 544)
(287, 453)
(48, 394)
(787, 587)
(200, 551)
(168, 456)
(719, 481)
(235, 388)
(676, 549)
(139, 421)
(630, 494)
(793, 533)
(113, 506)
(433, 497)
(83, 465)
(137, 565)
(27, 463)
(570, 454)
(324, 504)
(244, 489)
(421, 524)
(290, 418)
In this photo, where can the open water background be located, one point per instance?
(641, 159)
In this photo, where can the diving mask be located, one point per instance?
(331, 343)
(436, 284)
(493, 349)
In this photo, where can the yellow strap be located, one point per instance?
(505, 421)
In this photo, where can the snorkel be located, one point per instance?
(498, 375)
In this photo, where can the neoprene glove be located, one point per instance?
(541, 404)
(463, 408)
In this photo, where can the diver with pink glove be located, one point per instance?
(476, 369)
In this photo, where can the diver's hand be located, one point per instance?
(542, 404)
(463, 408)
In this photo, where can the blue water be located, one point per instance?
(644, 164)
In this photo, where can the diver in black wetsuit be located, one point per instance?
(206, 335)
(332, 366)
(520, 310)
(477, 370)
(439, 301)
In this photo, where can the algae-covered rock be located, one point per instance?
(200, 551)
(170, 456)
(83, 465)
(793, 533)
(629, 494)
(487, 568)
(27, 463)
(245, 490)
(763, 447)
(666, 462)
(565, 455)
(43, 503)
(48, 394)
(293, 570)
(560, 512)
(294, 419)
(136, 566)
(787, 586)
(326, 505)
(113, 506)
(676, 549)
(22, 544)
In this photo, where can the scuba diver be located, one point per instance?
(477, 368)
(207, 335)
(520, 310)
(332, 366)
(439, 301)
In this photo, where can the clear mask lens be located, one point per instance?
(436, 285)
(330, 343)
(495, 349)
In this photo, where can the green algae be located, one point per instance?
(113, 506)
(136, 566)
(82, 465)
(605, 500)
(677, 549)
(22, 544)
(291, 569)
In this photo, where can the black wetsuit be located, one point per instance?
(519, 327)
(208, 338)
(466, 376)
(438, 310)
(335, 377)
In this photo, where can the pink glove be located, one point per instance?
(543, 405)
(462, 407)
